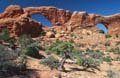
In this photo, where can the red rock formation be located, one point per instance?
(54, 15)
(74, 20)
(111, 22)
(84, 20)
(12, 11)
(18, 20)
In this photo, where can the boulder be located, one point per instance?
(58, 35)
(50, 35)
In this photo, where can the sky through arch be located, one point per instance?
(40, 18)
(102, 27)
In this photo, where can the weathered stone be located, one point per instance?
(54, 15)
(50, 34)
(12, 11)
(18, 20)
(58, 35)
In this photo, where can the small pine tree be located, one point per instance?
(29, 46)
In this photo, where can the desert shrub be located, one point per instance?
(58, 47)
(107, 59)
(42, 33)
(117, 58)
(117, 43)
(8, 56)
(87, 62)
(51, 61)
(64, 49)
(5, 38)
(9, 60)
(32, 50)
(29, 46)
(89, 50)
(4, 35)
(95, 54)
(25, 40)
(108, 36)
(4, 55)
(94, 46)
(111, 73)
(115, 50)
(89, 59)
(71, 41)
(117, 35)
(80, 44)
(107, 43)
(72, 34)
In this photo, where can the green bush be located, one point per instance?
(51, 61)
(71, 41)
(4, 35)
(115, 50)
(107, 43)
(95, 54)
(87, 62)
(89, 50)
(107, 59)
(42, 33)
(9, 60)
(80, 44)
(5, 38)
(33, 50)
(117, 58)
(25, 40)
(58, 47)
(88, 59)
(29, 46)
(14, 59)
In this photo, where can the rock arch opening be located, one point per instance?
(102, 27)
(42, 19)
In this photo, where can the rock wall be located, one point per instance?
(54, 15)
(18, 20)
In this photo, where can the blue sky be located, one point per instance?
(101, 7)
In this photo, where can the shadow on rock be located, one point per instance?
(29, 73)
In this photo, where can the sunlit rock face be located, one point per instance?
(54, 15)
(85, 20)
(12, 11)
(18, 20)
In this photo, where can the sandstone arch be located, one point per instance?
(102, 27)
(54, 15)
(111, 22)
(18, 20)
(42, 19)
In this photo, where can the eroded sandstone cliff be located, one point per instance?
(18, 20)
